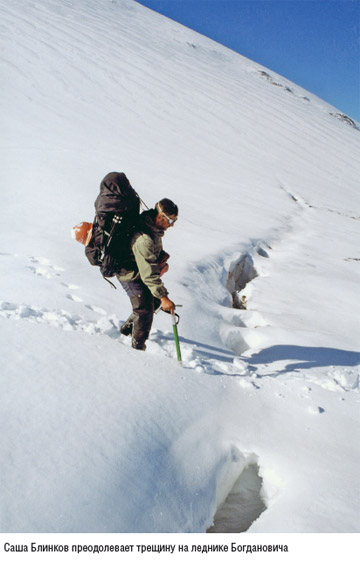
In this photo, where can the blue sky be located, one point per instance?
(314, 43)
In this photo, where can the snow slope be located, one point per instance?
(98, 437)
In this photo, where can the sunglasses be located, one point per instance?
(171, 221)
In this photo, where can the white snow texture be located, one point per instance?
(258, 430)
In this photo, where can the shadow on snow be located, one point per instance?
(305, 357)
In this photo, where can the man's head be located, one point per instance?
(167, 214)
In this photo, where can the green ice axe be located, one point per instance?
(176, 335)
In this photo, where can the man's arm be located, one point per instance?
(149, 269)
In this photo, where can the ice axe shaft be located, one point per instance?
(176, 337)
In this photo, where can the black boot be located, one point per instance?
(140, 345)
(126, 329)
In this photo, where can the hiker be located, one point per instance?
(141, 277)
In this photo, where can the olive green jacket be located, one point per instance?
(146, 246)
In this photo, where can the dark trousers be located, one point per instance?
(140, 320)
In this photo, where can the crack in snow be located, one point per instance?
(240, 492)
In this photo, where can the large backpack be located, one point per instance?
(117, 209)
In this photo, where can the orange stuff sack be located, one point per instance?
(82, 232)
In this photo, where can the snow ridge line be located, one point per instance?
(247, 268)
(305, 98)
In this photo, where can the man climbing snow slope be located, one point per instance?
(141, 276)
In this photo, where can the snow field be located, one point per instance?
(259, 430)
